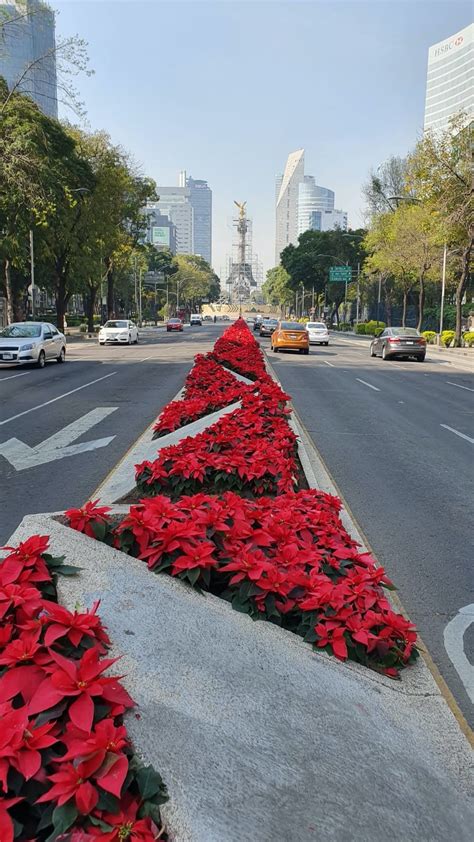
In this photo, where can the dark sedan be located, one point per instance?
(268, 326)
(402, 342)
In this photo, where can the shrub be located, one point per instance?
(360, 329)
(83, 327)
(430, 336)
(372, 325)
(447, 337)
(469, 338)
(344, 326)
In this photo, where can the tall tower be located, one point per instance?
(240, 276)
(286, 229)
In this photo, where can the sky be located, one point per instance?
(226, 89)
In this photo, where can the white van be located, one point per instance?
(196, 319)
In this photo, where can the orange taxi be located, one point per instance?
(291, 336)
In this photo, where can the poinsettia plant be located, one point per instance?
(67, 769)
(287, 559)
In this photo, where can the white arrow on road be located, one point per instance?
(454, 644)
(22, 456)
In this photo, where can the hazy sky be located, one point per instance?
(226, 89)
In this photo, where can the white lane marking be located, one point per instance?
(454, 645)
(401, 401)
(12, 376)
(368, 384)
(459, 386)
(331, 364)
(145, 359)
(60, 397)
(457, 433)
(57, 446)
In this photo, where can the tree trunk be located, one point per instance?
(404, 311)
(421, 301)
(61, 302)
(89, 302)
(110, 293)
(460, 290)
(9, 292)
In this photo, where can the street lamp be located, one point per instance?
(358, 237)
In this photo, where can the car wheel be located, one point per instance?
(129, 339)
(41, 361)
(306, 351)
(136, 340)
(62, 356)
(326, 343)
(372, 351)
(384, 353)
(275, 349)
(420, 359)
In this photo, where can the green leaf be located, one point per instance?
(53, 561)
(108, 802)
(99, 823)
(149, 782)
(99, 529)
(63, 818)
(68, 570)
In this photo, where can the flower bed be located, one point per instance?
(67, 770)
(239, 350)
(287, 560)
(208, 387)
(251, 450)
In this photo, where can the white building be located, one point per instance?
(174, 203)
(450, 79)
(329, 220)
(287, 185)
(311, 198)
(27, 52)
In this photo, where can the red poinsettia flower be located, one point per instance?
(100, 753)
(75, 626)
(83, 518)
(332, 633)
(82, 679)
(21, 742)
(69, 784)
(126, 826)
(6, 824)
(26, 647)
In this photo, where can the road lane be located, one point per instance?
(407, 480)
(115, 410)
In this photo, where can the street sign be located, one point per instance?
(340, 274)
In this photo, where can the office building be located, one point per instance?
(327, 220)
(450, 80)
(161, 231)
(28, 44)
(174, 202)
(287, 186)
(200, 198)
(312, 198)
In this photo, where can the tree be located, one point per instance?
(194, 280)
(276, 289)
(384, 185)
(440, 173)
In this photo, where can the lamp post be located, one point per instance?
(357, 237)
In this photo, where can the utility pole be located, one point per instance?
(358, 294)
(378, 298)
(140, 299)
(32, 273)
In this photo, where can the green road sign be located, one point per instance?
(340, 274)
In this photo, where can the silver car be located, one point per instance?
(399, 342)
(23, 343)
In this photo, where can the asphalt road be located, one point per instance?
(110, 394)
(398, 440)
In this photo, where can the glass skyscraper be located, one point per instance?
(312, 198)
(450, 79)
(27, 52)
(200, 198)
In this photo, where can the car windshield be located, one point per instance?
(405, 331)
(21, 331)
(292, 326)
(174, 321)
(116, 324)
(316, 326)
(270, 322)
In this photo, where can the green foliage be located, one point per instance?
(372, 326)
(447, 337)
(277, 289)
(83, 327)
(430, 336)
(360, 329)
(468, 338)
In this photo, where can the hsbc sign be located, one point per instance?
(448, 46)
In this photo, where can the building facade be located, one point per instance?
(286, 210)
(161, 231)
(450, 80)
(312, 198)
(27, 53)
(174, 202)
(200, 198)
(327, 220)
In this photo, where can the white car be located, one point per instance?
(31, 342)
(318, 333)
(196, 319)
(118, 330)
